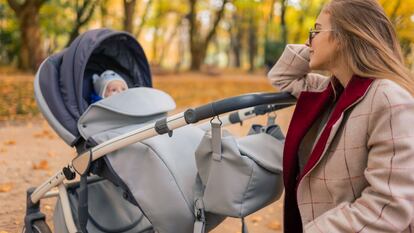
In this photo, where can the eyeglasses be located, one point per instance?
(314, 32)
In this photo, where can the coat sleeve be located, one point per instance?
(291, 72)
(386, 204)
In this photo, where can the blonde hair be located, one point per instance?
(368, 41)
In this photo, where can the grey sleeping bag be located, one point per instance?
(161, 172)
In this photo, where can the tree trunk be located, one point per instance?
(104, 13)
(31, 50)
(197, 57)
(83, 15)
(129, 10)
(252, 42)
(199, 45)
(236, 36)
(143, 19)
(269, 20)
(283, 21)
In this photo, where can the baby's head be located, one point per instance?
(108, 83)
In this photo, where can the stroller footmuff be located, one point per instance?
(109, 211)
(158, 172)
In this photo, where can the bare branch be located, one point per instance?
(144, 18)
(217, 20)
(89, 14)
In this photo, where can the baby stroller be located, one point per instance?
(136, 165)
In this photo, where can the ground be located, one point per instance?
(30, 152)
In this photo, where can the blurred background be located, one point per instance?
(176, 35)
(199, 51)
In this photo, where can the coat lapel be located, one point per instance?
(353, 93)
(308, 108)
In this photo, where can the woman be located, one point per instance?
(349, 151)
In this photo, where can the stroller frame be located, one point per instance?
(247, 106)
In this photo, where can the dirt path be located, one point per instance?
(30, 152)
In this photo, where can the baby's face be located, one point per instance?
(114, 87)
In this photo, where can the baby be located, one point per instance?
(108, 84)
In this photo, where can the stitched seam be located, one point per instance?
(379, 217)
(248, 185)
(393, 147)
(346, 165)
(325, 179)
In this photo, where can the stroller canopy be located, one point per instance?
(63, 84)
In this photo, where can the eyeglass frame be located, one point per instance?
(313, 32)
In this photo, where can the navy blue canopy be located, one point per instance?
(63, 84)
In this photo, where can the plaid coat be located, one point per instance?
(360, 174)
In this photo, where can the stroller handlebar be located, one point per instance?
(194, 115)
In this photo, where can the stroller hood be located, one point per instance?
(63, 84)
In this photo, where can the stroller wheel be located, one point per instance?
(39, 226)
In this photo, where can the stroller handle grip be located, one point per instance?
(194, 115)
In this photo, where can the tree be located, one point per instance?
(236, 37)
(31, 50)
(144, 18)
(84, 12)
(129, 10)
(283, 26)
(252, 39)
(198, 42)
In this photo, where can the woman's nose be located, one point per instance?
(307, 43)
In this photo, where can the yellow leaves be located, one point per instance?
(16, 99)
(51, 154)
(274, 225)
(45, 134)
(6, 187)
(256, 219)
(42, 165)
(9, 143)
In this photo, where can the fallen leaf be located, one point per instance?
(10, 142)
(4, 232)
(6, 187)
(42, 165)
(256, 219)
(274, 225)
(51, 154)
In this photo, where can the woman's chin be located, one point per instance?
(312, 65)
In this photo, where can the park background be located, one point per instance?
(199, 51)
